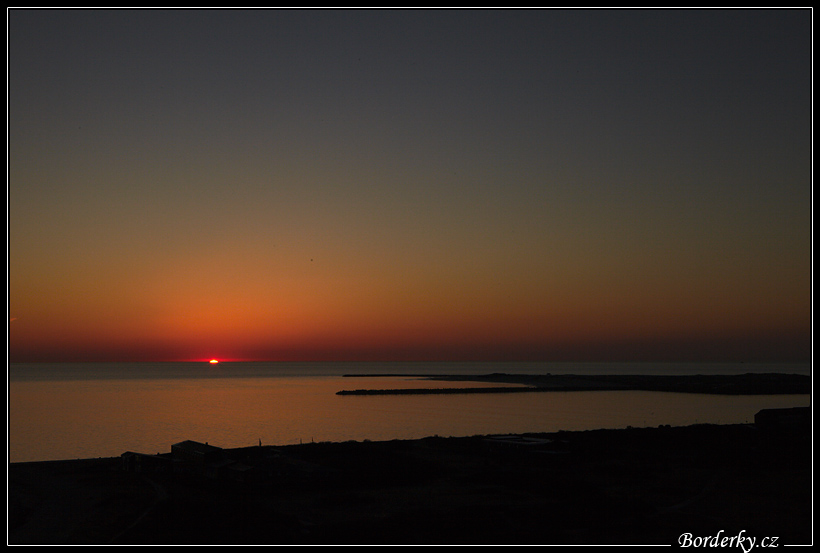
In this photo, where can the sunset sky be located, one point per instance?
(409, 185)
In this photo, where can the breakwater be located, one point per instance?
(742, 384)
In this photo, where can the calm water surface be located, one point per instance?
(102, 410)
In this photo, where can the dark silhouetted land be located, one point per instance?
(627, 486)
(742, 384)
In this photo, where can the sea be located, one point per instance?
(60, 411)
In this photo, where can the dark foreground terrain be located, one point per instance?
(629, 486)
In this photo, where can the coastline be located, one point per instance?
(595, 487)
(743, 384)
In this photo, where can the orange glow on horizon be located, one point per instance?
(213, 361)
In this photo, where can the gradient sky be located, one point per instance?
(410, 185)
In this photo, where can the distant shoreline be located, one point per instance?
(743, 384)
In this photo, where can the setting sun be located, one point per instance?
(213, 361)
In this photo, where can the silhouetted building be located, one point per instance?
(792, 420)
(252, 465)
(191, 456)
(141, 462)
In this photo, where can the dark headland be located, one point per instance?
(601, 487)
(740, 384)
